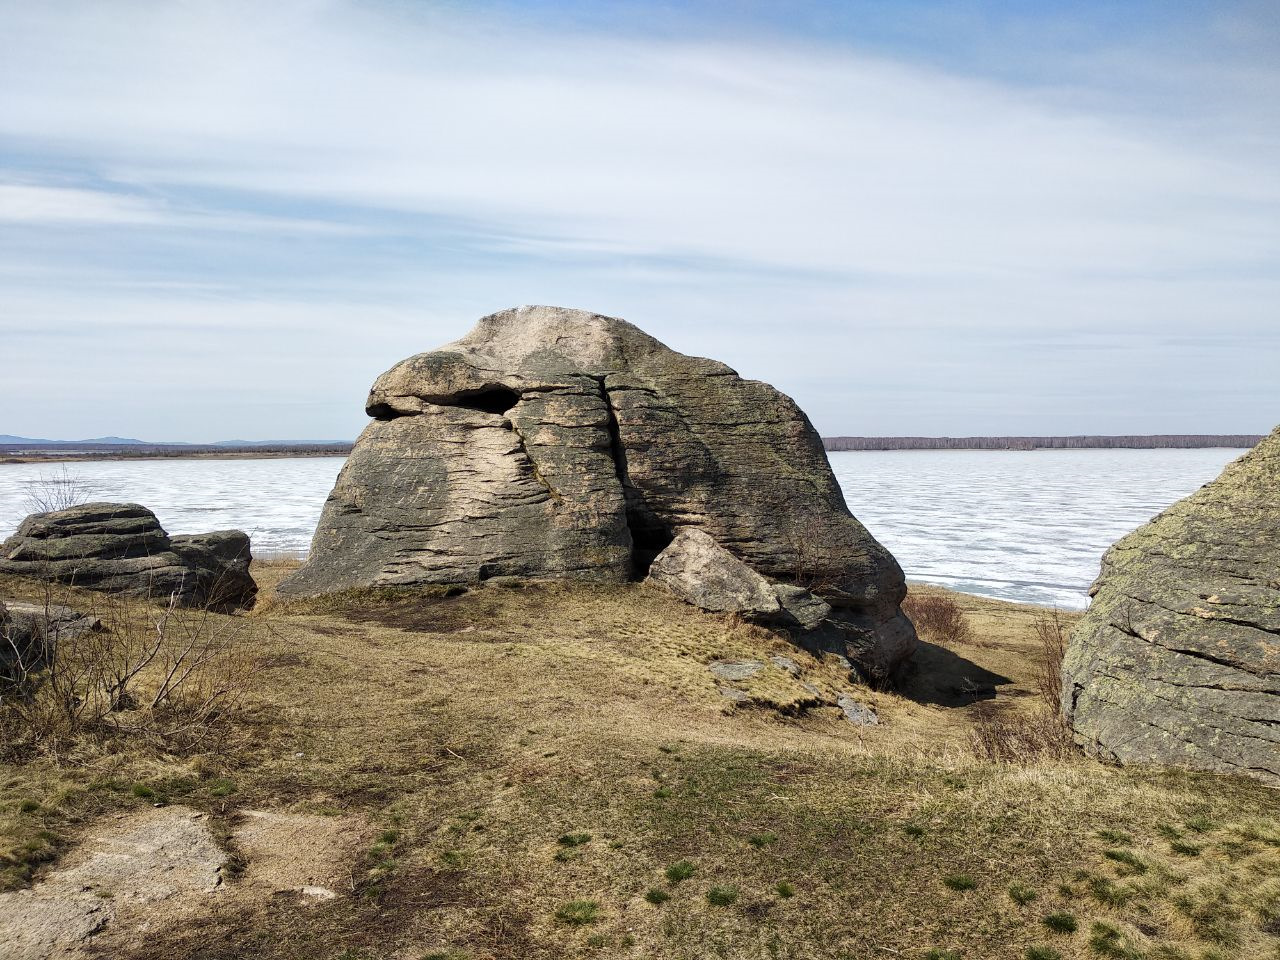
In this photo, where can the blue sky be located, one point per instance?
(224, 219)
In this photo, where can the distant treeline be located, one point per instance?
(1159, 441)
(150, 451)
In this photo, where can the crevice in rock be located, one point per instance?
(650, 535)
(533, 465)
(490, 399)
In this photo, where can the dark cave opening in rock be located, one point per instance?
(649, 537)
(497, 399)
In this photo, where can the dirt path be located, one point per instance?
(139, 874)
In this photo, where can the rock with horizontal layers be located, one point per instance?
(1177, 660)
(560, 443)
(121, 548)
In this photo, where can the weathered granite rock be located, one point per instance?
(121, 548)
(30, 634)
(735, 669)
(859, 714)
(559, 443)
(1177, 660)
(699, 571)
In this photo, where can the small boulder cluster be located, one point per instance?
(121, 548)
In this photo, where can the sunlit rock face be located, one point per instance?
(550, 442)
(1178, 658)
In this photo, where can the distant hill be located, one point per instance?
(112, 441)
(1136, 442)
(9, 439)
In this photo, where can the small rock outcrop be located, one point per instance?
(701, 572)
(121, 548)
(30, 634)
(560, 443)
(1177, 661)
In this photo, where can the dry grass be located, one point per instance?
(937, 616)
(476, 732)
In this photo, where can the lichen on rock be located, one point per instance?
(550, 442)
(1177, 660)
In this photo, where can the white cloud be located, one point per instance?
(671, 177)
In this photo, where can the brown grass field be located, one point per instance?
(550, 771)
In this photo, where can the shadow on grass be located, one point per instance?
(942, 678)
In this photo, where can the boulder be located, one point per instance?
(121, 548)
(699, 571)
(1177, 660)
(559, 443)
(30, 634)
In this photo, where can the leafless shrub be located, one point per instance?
(1042, 734)
(938, 616)
(167, 674)
(1052, 634)
(58, 490)
(1008, 737)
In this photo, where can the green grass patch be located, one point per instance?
(679, 871)
(1213, 914)
(960, 882)
(1040, 952)
(1021, 894)
(1108, 893)
(578, 913)
(722, 896)
(657, 896)
(785, 890)
(1128, 861)
(1061, 922)
(574, 839)
(762, 839)
(1107, 940)
(1118, 837)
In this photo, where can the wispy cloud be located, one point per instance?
(834, 192)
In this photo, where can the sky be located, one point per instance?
(222, 220)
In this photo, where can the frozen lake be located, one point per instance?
(1029, 526)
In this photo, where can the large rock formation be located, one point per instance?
(121, 548)
(559, 443)
(1178, 658)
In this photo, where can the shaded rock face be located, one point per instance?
(1177, 660)
(559, 443)
(121, 548)
(701, 572)
(30, 634)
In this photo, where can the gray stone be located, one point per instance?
(560, 443)
(699, 571)
(787, 664)
(30, 634)
(121, 548)
(735, 669)
(1177, 660)
(734, 695)
(802, 607)
(857, 713)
